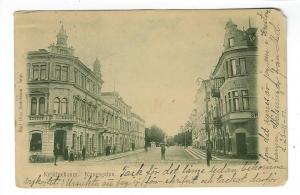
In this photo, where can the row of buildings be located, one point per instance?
(225, 109)
(68, 108)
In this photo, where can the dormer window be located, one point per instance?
(231, 42)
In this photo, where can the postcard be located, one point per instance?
(151, 98)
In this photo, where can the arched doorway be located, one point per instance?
(60, 137)
(241, 142)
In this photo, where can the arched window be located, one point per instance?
(33, 106)
(56, 108)
(42, 106)
(36, 142)
(88, 113)
(64, 106)
(75, 108)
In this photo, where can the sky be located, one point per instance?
(152, 58)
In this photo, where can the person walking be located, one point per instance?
(83, 152)
(163, 151)
(55, 152)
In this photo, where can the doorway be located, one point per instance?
(60, 138)
(241, 144)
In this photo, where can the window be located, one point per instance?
(229, 69)
(231, 42)
(82, 81)
(43, 72)
(33, 106)
(36, 72)
(233, 67)
(245, 99)
(75, 108)
(235, 101)
(229, 102)
(80, 141)
(58, 72)
(56, 106)
(64, 106)
(36, 142)
(42, 106)
(76, 75)
(88, 113)
(64, 73)
(242, 62)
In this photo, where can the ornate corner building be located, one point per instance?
(67, 107)
(231, 98)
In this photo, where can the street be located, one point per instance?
(174, 154)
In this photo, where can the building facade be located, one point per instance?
(232, 101)
(66, 106)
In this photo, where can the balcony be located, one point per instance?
(63, 118)
(216, 121)
(38, 118)
(215, 92)
(216, 84)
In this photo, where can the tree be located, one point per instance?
(184, 139)
(154, 134)
(170, 141)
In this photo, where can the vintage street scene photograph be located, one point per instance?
(147, 87)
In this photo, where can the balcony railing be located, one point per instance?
(63, 118)
(216, 121)
(39, 118)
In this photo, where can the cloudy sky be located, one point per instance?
(153, 57)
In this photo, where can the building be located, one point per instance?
(232, 100)
(137, 131)
(199, 135)
(67, 108)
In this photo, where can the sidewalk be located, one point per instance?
(111, 156)
(219, 156)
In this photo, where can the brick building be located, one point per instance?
(232, 101)
(66, 106)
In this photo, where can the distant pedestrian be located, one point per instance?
(83, 152)
(55, 152)
(71, 158)
(163, 151)
(66, 153)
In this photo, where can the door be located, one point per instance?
(60, 139)
(241, 144)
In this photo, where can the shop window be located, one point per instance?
(42, 106)
(36, 142)
(33, 110)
